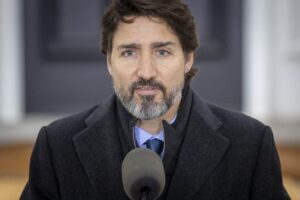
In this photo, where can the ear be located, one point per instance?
(108, 64)
(189, 61)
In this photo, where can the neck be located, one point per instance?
(154, 126)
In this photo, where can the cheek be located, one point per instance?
(172, 74)
(177, 79)
(121, 82)
(122, 74)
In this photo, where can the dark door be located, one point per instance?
(65, 71)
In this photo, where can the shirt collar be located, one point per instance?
(141, 136)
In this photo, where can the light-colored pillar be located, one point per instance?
(287, 60)
(271, 68)
(11, 62)
(257, 58)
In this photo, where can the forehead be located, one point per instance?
(144, 30)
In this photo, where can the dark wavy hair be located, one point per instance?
(174, 12)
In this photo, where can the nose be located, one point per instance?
(147, 67)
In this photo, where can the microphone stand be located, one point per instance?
(144, 194)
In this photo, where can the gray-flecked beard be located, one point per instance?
(146, 108)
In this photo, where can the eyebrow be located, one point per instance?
(129, 46)
(162, 44)
(154, 45)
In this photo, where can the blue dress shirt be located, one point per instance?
(141, 136)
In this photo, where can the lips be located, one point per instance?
(147, 90)
(147, 87)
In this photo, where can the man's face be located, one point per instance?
(147, 65)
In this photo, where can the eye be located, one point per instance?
(128, 53)
(163, 53)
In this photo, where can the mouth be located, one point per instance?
(147, 90)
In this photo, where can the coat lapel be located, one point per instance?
(99, 151)
(202, 149)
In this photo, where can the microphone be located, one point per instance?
(143, 174)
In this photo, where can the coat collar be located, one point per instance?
(100, 153)
(98, 149)
(203, 148)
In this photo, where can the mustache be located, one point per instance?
(150, 83)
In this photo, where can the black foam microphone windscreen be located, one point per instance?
(142, 170)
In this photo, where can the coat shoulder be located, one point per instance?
(219, 117)
(234, 118)
(238, 126)
(69, 126)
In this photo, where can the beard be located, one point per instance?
(146, 108)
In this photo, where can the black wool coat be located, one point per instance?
(221, 155)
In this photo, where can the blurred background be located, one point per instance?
(51, 66)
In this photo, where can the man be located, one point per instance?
(207, 152)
